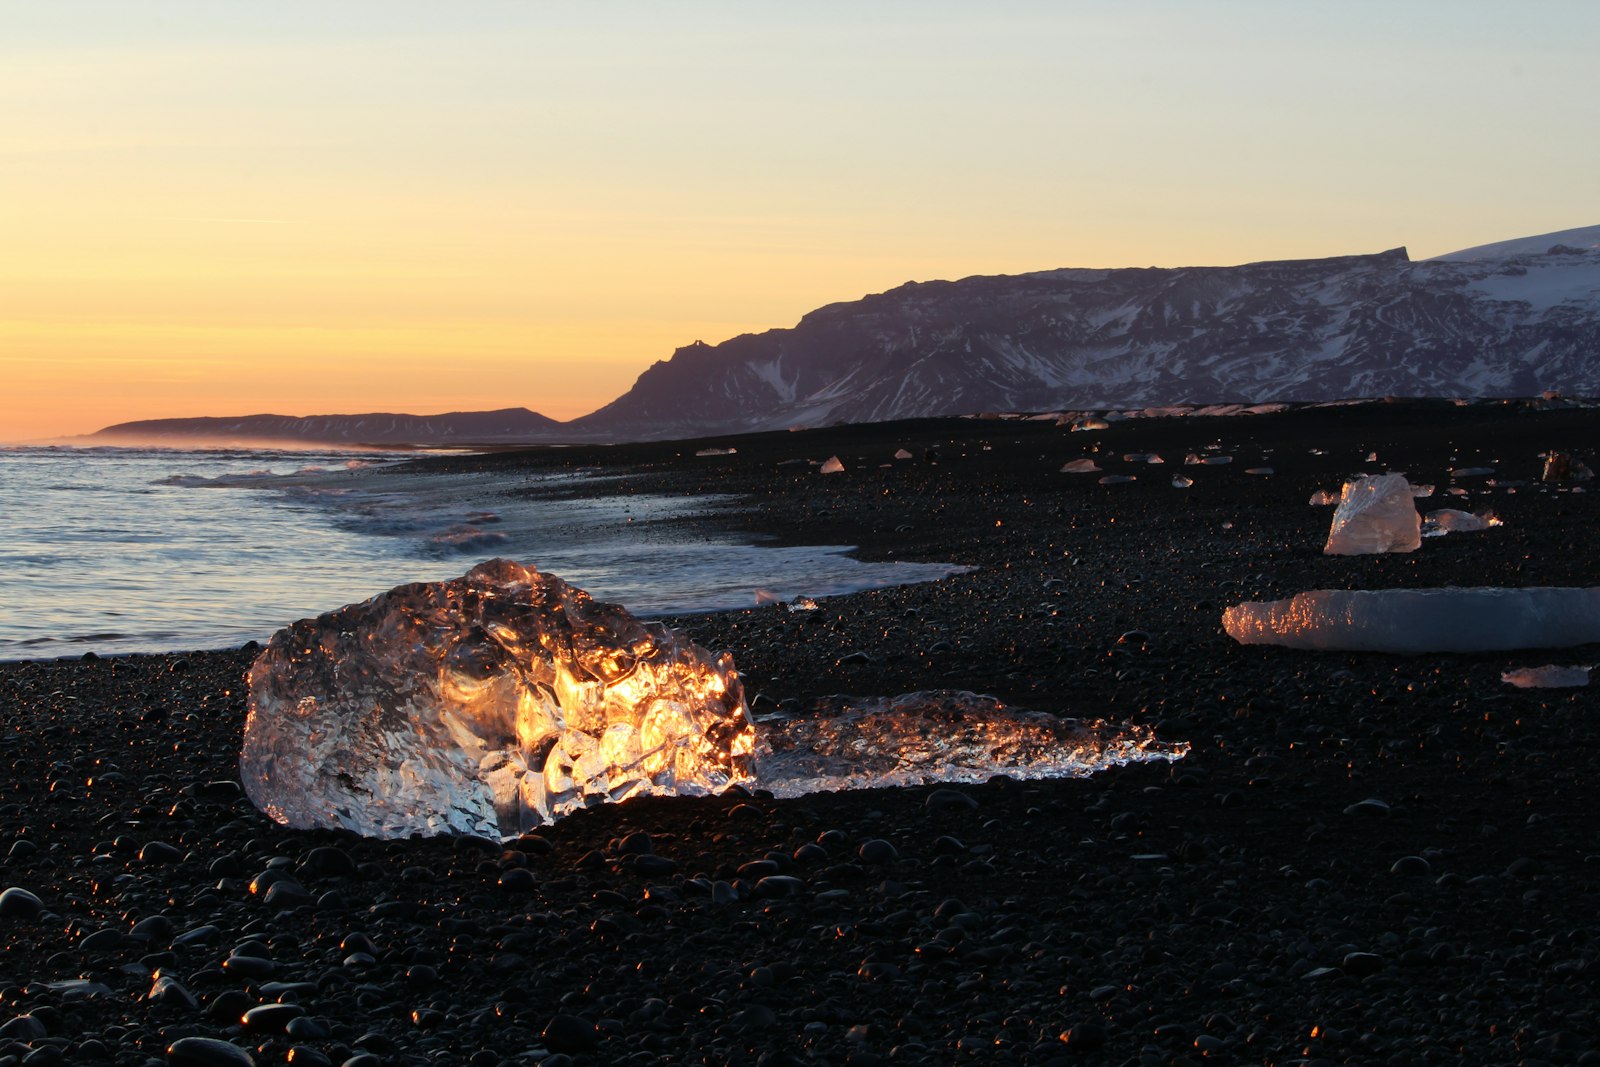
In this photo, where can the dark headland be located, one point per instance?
(1366, 858)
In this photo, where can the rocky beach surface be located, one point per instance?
(1365, 858)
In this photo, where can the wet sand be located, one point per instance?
(1365, 859)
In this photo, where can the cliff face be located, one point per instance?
(1513, 324)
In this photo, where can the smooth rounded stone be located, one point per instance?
(368, 1059)
(286, 893)
(270, 1018)
(1362, 963)
(44, 1056)
(24, 1028)
(22, 849)
(756, 869)
(637, 843)
(833, 840)
(810, 852)
(19, 903)
(306, 1056)
(306, 1028)
(171, 992)
(156, 929)
(360, 959)
(518, 880)
(1523, 867)
(159, 852)
(877, 851)
(650, 864)
(1411, 867)
(568, 1033)
(945, 800)
(358, 942)
(1372, 806)
(779, 885)
(102, 941)
(207, 1052)
(249, 967)
(228, 1006)
(328, 860)
(1084, 1036)
(199, 935)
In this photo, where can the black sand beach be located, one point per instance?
(1365, 859)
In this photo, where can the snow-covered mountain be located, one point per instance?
(1512, 319)
(456, 427)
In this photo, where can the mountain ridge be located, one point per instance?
(1514, 318)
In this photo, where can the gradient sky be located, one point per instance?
(221, 207)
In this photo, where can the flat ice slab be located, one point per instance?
(1452, 619)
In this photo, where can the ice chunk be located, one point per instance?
(1452, 619)
(485, 705)
(1561, 467)
(1080, 466)
(936, 736)
(1450, 520)
(1258, 470)
(1471, 472)
(1180, 482)
(832, 466)
(1322, 498)
(717, 452)
(1117, 479)
(1090, 424)
(901, 453)
(1375, 514)
(1551, 677)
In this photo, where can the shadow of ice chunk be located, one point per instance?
(1451, 619)
(936, 736)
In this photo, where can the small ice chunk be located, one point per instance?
(1372, 457)
(1080, 466)
(936, 736)
(1561, 467)
(831, 465)
(1451, 619)
(1090, 424)
(802, 603)
(1450, 520)
(1421, 492)
(901, 453)
(717, 452)
(1180, 482)
(1117, 479)
(1375, 514)
(1322, 498)
(1216, 461)
(1471, 472)
(1258, 470)
(1550, 677)
(486, 704)
(1192, 460)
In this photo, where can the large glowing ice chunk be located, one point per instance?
(1375, 514)
(1451, 619)
(485, 704)
(936, 736)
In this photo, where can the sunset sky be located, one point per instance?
(221, 207)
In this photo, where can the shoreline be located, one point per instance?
(1247, 904)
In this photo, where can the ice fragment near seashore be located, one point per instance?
(1452, 520)
(936, 736)
(1375, 514)
(1486, 619)
(1080, 466)
(1550, 677)
(832, 465)
(486, 704)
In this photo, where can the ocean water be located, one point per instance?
(118, 550)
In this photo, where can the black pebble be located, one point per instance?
(568, 1033)
(207, 1052)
